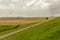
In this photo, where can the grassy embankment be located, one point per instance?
(47, 31)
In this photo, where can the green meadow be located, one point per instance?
(4, 29)
(47, 31)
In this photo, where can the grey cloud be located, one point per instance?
(20, 8)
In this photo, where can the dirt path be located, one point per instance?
(9, 34)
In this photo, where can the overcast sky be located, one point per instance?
(29, 8)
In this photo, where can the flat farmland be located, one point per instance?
(18, 21)
(8, 25)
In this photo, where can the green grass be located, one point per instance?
(47, 31)
(4, 29)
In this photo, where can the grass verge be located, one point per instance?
(47, 31)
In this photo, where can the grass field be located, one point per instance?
(8, 25)
(10, 28)
(47, 31)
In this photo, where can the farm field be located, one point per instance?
(10, 28)
(7, 26)
(47, 31)
(19, 21)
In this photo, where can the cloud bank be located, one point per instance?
(29, 8)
